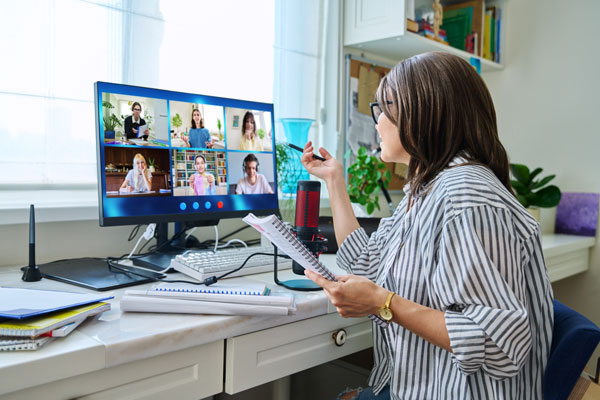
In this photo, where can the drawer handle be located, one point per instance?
(339, 337)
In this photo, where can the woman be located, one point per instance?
(252, 182)
(455, 280)
(139, 178)
(199, 136)
(134, 121)
(250, 140)
(202, 182)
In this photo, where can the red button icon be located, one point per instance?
(220, 204)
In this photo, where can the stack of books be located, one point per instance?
(426, 29)
(31, 318)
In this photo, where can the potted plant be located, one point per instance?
(152, 164)
(219, 126)
(176, 121)
(364, 177)
(534, 194)
(110, 121)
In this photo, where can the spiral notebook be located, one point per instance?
(274, 230)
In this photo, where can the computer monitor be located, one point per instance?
(165, 156)
(194, 163)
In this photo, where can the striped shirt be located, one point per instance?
(469, 249)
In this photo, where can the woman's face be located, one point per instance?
(249, 126)
(200, 165)
(140, 164)
(251, 169)
(136, 111)
(391, 148)
(196, 116)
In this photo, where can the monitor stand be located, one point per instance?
(160, 260)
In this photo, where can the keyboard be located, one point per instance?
(204, 264)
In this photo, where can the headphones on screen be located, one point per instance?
(250, 158)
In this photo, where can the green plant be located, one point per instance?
(261, 133)
(219, 125)
(110, 120)
(148, 118)
(364, 177)
(152, 162)
(531, 192)
(176, 120)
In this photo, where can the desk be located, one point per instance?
(176, 355)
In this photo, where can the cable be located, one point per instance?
(148, 234)
(133, 232)
(213, 279)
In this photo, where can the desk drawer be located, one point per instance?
(264, 356)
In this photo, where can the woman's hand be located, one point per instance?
(209, 145)
(191, 180)
(326, 170)
(147, 132)
(134, 130)
(130, 188)
(210, 178)
(352, 296)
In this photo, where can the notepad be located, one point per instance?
(39, 325)
(23, 344)
(274, 230)
(18, 303)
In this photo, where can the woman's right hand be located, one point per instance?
(134, 130)
(326, 170)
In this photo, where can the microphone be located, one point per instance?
(308, 196)
(31, 273)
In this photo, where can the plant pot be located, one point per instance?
(535, 213)
(109, 134)
(151, 168)
(359, 211)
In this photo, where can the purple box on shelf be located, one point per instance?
(577, 214)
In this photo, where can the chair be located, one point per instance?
(574, 339)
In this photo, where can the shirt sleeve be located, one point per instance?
(238, 187)
(479, 281)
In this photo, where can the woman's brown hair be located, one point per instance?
(442, 109)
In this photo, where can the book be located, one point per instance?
(274, 230)
(232, 293)
(411, 25)
(19, 303)
(36, 326)
(144, 303)
(23, 344)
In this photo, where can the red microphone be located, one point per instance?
(308, 196)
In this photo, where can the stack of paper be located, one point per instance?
(222, 299)
(34, 317)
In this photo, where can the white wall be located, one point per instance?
(547, 105)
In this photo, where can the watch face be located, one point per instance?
(386, 314)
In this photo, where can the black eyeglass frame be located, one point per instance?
(376, 104)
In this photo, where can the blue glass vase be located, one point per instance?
(296, 132)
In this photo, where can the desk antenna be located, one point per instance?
(32, 272)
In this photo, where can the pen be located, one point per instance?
(316, 157)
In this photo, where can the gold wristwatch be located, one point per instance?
(385, 312)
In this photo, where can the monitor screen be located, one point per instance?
(166, 156)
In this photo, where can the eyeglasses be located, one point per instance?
(137, 109)
(376, 110)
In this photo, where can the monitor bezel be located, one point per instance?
(165, 218)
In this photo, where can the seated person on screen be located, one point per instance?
(202, 182)
(138, 179)
(199, 136)
(253, 182)
(250, 140)
(134, 121)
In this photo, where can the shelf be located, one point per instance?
(405, 46)
(566, 255)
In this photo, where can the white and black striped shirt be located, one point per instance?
(467, 248)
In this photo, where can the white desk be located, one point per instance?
(178, 356)
(192, 356)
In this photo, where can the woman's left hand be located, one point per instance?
(210, 178)
(351, 295)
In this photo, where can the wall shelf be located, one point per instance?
(566, 255)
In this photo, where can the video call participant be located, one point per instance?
(202, 182)
(199, 136)
(250, 140)
(139, 178)
(253, 182)
(134, 121)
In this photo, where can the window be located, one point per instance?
(54, 50)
